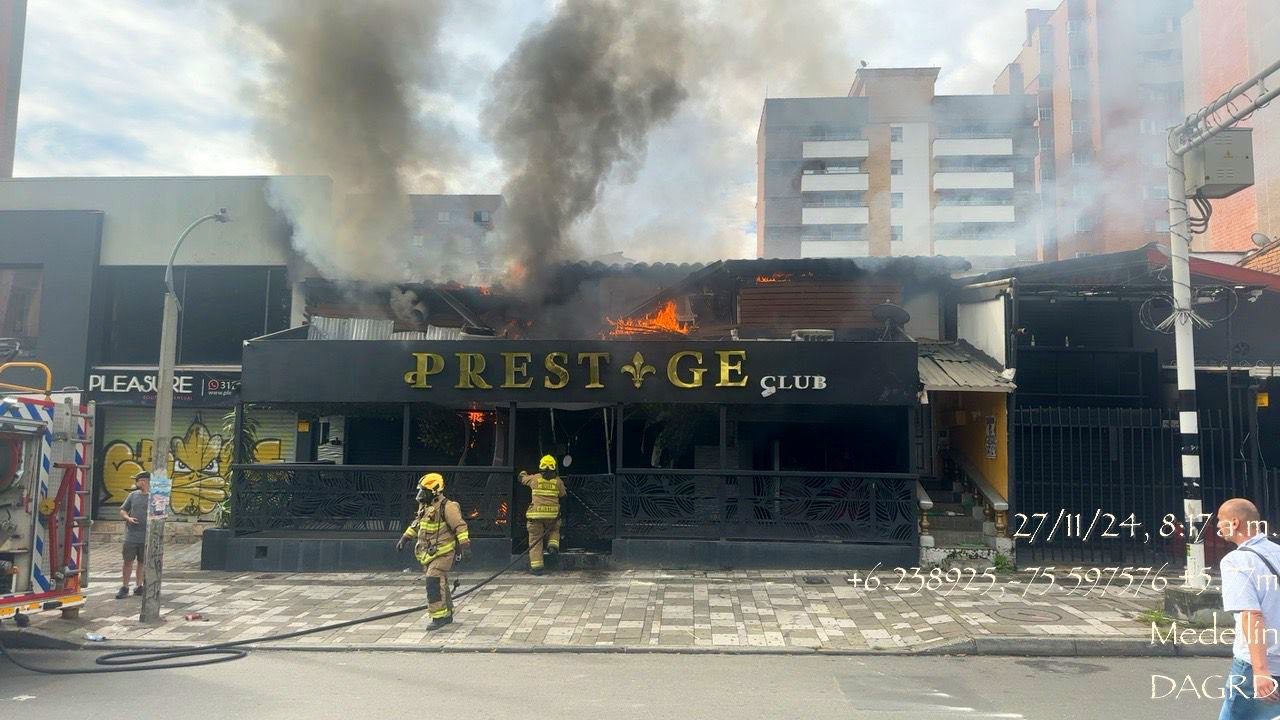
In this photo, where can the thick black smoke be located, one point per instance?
(572, 105)
(341, 98)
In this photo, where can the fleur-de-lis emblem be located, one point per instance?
(638, 369)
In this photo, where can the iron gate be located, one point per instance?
(1125, 463)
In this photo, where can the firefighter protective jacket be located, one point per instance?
(439, 528)
(547, 492)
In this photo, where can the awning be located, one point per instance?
(958, 366)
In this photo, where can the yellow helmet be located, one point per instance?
(431, 481)
(547, 463)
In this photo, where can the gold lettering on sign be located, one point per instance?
(470, 365)
(516, 363)
(593, 375)
(555, 365)
(727, 368)
(427, 364)
(673, 369)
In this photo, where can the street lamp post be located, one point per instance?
(153, 556)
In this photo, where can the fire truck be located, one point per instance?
(46, 480)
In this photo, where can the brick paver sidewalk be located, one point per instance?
(612, 610)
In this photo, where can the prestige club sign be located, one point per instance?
(584, 371)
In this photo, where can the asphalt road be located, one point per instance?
(360, 686)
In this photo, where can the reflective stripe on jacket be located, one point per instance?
(547, 492)
(439, 529)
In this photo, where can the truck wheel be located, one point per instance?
(70, 613)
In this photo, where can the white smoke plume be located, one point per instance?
(341, 96)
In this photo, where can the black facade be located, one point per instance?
(691, 452)
(48, 260)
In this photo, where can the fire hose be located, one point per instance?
(180, 657)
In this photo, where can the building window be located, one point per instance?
(443, 216)
(1046, 142)
(1079, 126)
(1079, 158)
(1046, 112)
(419, 240)
(221, 308)
(895, 133)
(895, 167)
(20, 302)
(482, 217)
(895, 200)
(895, 233)
(1084, 222)
(1078, 60)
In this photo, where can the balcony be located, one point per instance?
(834, 248)
(952, 147)
(975, 247)
(972, 213)
(820, 149)
(836, 215)
(973, 180)
(834, 182)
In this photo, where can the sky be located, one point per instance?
(164, 87)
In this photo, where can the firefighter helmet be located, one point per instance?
(431, 481)
(547, 463)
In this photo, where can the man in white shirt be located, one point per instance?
(1251, 590)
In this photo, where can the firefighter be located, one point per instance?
(442, 537)
(543, 515)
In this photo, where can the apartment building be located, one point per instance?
(892, 169)
(1226, 42)
(1107, 82)
(452, 236)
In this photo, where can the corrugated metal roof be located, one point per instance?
(325, 328)
(959, 366)
(431, 333)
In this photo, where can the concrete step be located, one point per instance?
(577, 560)
(954, 522)
(959, 539)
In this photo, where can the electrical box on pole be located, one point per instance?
(1222, 166)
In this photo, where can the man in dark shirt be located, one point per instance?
(134, 512)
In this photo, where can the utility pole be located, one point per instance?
(1183, 138)
(153, 555)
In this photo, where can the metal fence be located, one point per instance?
(360, 498)
(741, 505)
(1072, 463)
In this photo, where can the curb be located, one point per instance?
(28, 639)
(975, 647)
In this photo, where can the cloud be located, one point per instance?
(129, 88)
(133, 87)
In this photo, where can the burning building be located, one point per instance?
(691, 414)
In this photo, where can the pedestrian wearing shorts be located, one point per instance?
(134, 512)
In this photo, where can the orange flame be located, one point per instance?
(486, 290)
(665, 320)
(476, 418)
(778, 277)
